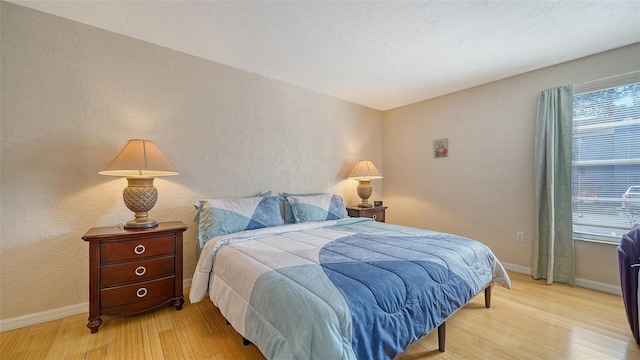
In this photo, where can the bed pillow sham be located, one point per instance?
(217, 217)
(317, 208)
(288, 212)
(198, 204)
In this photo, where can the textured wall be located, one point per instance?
(485, 188)
(71, 97)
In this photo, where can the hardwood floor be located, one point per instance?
(530, 321)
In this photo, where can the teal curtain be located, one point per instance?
(553, 255)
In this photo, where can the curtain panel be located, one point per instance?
(553, 253)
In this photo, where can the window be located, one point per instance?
(606, 158)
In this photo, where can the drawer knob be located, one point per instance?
(374, 217)
(142, 292)
(140, 270)
(139, 249)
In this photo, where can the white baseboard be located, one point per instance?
(54, 314)
(587, 284)
(595, 285)
(517, 268)
(43, 316)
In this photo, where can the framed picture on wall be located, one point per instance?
(441, 148)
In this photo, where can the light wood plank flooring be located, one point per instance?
(530, 321)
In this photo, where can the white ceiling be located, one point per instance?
(379, 54)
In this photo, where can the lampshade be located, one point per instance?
(140, 160)
(365, 170)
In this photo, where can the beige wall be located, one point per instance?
(71, 97)
(485, 188)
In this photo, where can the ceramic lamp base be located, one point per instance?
(140, 197)
(364, 192)
(141, 221)
(365, 205)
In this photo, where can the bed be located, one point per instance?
(331, 287)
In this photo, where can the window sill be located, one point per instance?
(597, 241)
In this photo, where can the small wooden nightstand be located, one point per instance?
(376, 213)
(133, 271)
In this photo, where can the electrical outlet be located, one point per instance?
(520, 236)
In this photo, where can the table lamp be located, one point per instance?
(140, 161)
(364, 172)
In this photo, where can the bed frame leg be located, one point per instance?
(487, 296)
(245, 342)
(442, 335)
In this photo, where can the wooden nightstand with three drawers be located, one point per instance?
(376, 213)
(134, 271)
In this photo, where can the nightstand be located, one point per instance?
(376, 213)
(133, 271)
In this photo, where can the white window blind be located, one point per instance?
(606, 157)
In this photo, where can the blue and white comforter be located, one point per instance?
(344, 289)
